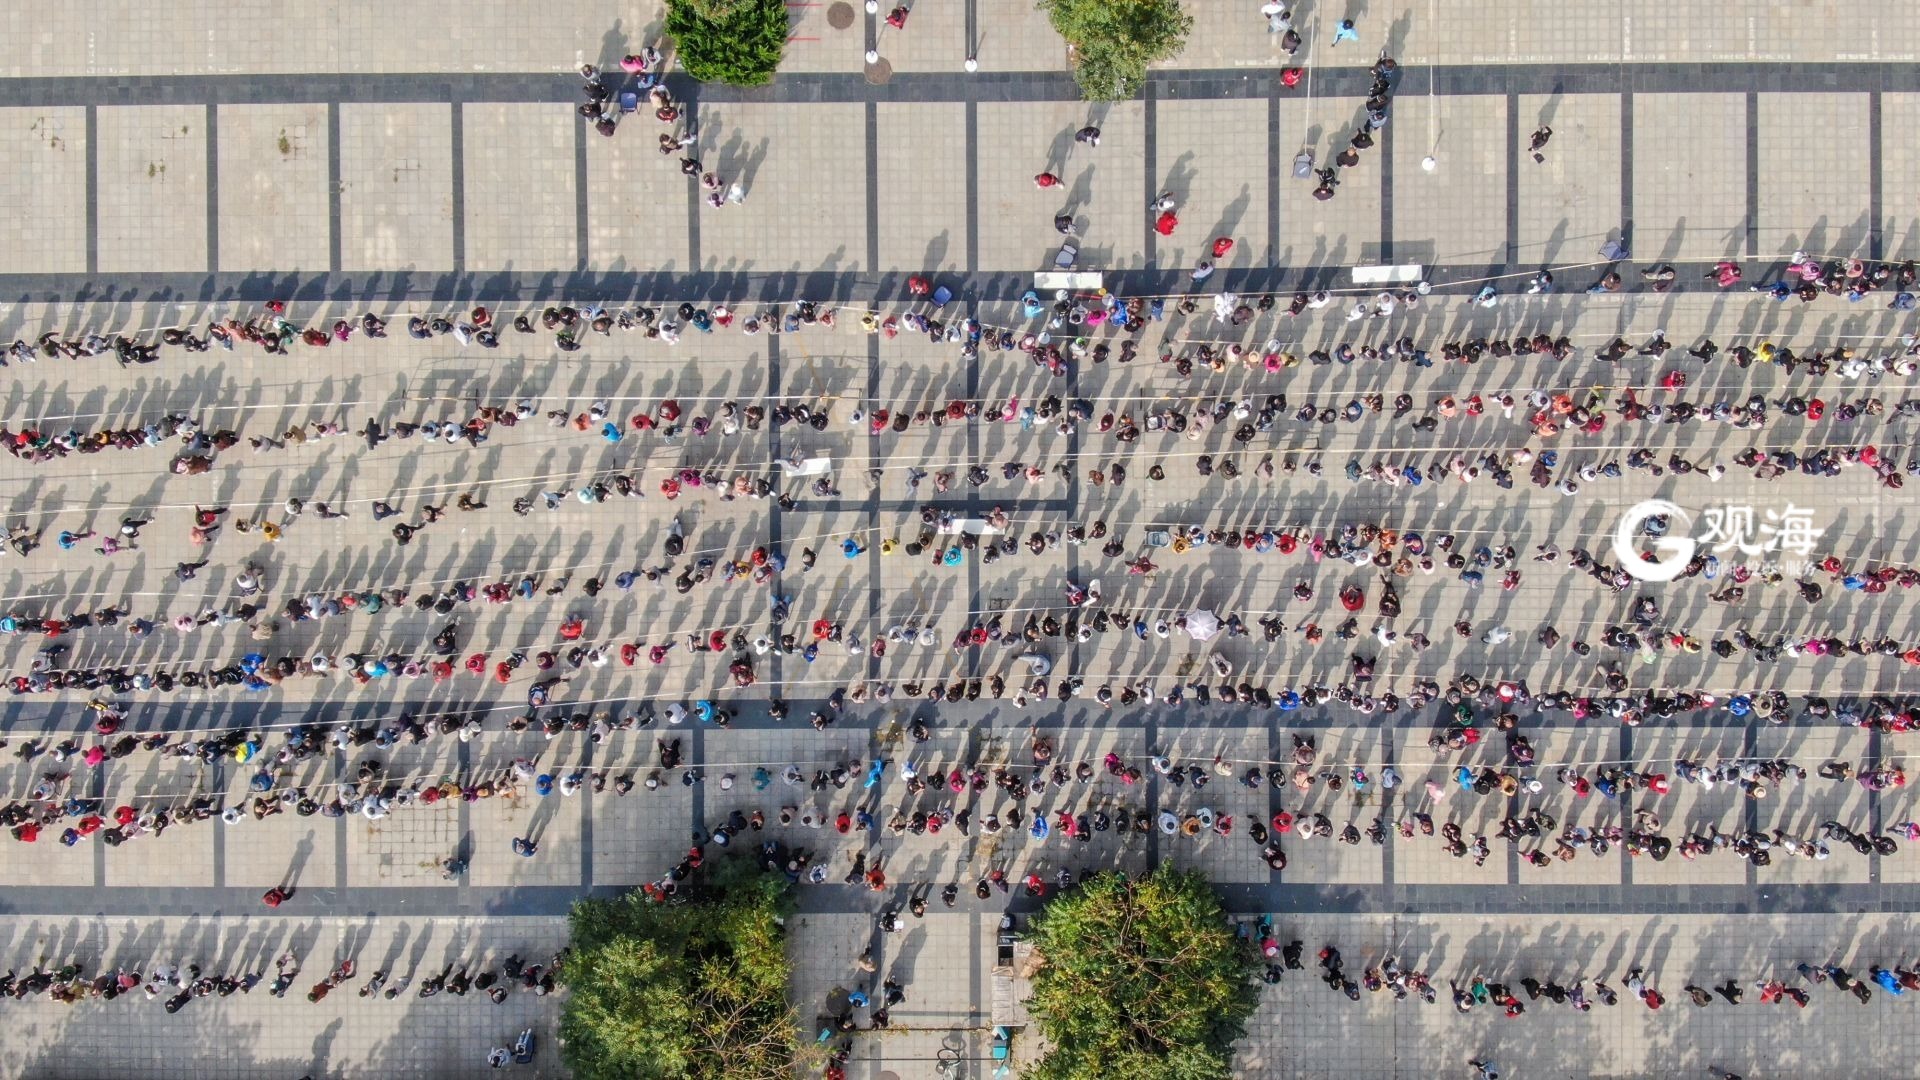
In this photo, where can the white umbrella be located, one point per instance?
(1202, 625)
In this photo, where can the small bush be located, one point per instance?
(1114, 41)
(730, 41)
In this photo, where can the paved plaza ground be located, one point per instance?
(173, 165)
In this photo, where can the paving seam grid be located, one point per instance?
(582, 231)
(213, 188)
(692, 112)
(335, 240)
(459, 181)
(1513, 178)
(93, 190)
(1876, 180)
(1753, 174)
(1626, 168)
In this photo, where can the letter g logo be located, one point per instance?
(1674, 552)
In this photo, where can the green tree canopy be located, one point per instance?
(1143, 980)
(730, 41)
(1114, 41)
(682, 991)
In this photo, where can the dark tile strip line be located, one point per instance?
(93, 190)
(1626, 860)
(554, 901)
(581, 202)
(1513, 850)
(1386, 806)
(459, 187)
(586, 799)
(97, 789)
(1876, 157)
(973, 181)
(339, 758)
(692, 114)
(1385, 140)
(463, 845)
(1073, 502)
(152, 717)
(1753, 174)
(1274, 181)
(1874, 807)
(334, 194)
(873, 188)
(615, 287)
(1626, 168)
(976, 922)
(697, 798)
(876, 581)
(1513, 178)
(213, 188)
(1150, 151)
(339, 853)
(1153, 794)
(217, 784)
(776, 535)
(1563, 901)
(839, 88)
(1278, 749)
(975, 601)
(1750, 811)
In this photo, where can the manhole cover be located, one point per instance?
(889, 1074)
(840, 16)
(879, 71)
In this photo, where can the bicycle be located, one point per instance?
(947, 1065)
